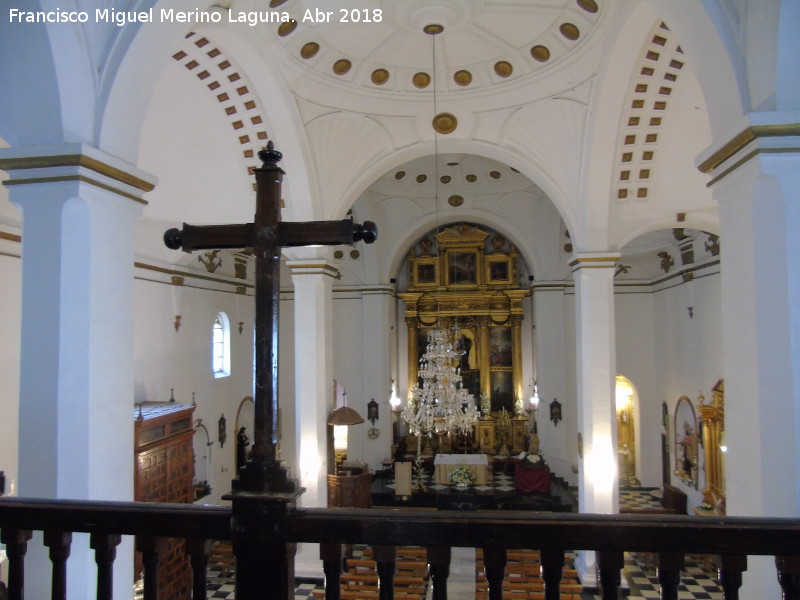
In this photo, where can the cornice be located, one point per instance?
(759, 139)
(27, 165)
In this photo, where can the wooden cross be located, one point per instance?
(267, 235)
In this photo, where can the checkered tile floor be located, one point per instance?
(502, 483)
(222, 587)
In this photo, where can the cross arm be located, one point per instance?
(325, 233)
(201, 237)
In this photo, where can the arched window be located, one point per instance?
(221, 346)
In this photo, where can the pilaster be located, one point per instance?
(596, 370)
(79, 209)
(755, 179)
(313, 342)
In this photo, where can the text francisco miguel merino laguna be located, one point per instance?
(170, 15)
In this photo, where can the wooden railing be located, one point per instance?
(668, 536)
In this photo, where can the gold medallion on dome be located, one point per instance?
(309, 50)
(569, 31)
(421, 80)
(455, 201)
(462, 78)
(540, 53)
(286, 28)
(380, 76)
(503, 68)
(341, 66)
(445, 123)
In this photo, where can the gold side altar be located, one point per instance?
(471, 282)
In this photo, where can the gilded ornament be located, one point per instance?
(309, 50)
(588, 5)
(445, 123)
(421, 80)
(380, 76)
(495, 175)
(342, 66)
(399, 174)
(455, 201)
(472, 178)
(569, 31)
(540, 53)
(503, 68)
(286, 28)
(462, 78)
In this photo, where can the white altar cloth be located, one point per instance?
(477, 463)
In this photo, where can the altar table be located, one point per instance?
(532, 480)
(477, 463)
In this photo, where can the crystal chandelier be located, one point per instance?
(439, 404)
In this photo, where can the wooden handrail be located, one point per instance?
(668, 536)
(639, 533)
(125, 518)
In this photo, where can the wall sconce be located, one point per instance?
(372, 411)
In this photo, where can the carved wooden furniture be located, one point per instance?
(164, 472)
(350, 490)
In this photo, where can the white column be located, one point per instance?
(756, 184)
(79, 208)
(313, 342)
(597, 472)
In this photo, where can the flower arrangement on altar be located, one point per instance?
(531, 460)
(461, 476)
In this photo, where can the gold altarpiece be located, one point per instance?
(477, 291)
(712, 418)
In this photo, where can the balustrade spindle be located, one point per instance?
(610, 563)
(150, 547)
(789, 576)
(669, 575)
(16, 542)
(105, 551)
(730, 571)
(331, 556)
(494, 567)
(386, 559)
(439, 569)
(198, 550)
(552, 564)
(59, 543)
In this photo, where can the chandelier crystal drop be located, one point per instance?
(440, 404)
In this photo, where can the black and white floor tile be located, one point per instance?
(219, 587)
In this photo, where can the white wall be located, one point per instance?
(667, 354)
(166, 359)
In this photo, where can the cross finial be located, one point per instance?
(269, 156)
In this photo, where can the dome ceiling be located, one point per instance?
(485, 43)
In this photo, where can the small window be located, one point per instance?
(221, 346)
